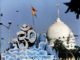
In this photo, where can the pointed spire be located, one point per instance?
(58, 11)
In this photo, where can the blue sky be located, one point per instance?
(46, 15)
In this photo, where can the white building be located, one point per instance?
(59, 30)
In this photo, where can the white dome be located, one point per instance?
(59, 30)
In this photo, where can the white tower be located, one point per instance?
(59, 30)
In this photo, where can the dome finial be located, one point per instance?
(58, 11)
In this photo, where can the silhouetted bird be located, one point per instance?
(76, 35)
(74, 6)
(17, 11)
(1, 14)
